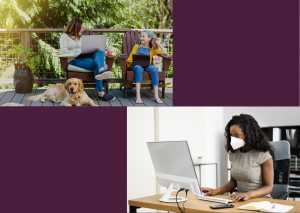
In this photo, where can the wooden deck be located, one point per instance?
(9, 97)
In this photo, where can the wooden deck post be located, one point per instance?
(25, 40)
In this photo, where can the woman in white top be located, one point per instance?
(70, 43)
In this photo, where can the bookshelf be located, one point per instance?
(292, 135)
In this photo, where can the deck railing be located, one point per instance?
(45, 42)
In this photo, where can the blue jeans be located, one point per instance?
(138, 73)
(91, 64)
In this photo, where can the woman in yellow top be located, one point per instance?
(149, 46)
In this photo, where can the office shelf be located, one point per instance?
(294, 140)
(276, 133)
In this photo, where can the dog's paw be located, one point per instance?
(52, 100)
(43, 100)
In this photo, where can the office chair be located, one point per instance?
(281, 165)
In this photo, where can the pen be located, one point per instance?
(273, 206)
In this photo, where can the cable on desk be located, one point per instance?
(182, 189)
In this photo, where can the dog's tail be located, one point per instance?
(34, 98)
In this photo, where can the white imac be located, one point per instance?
(174, 168)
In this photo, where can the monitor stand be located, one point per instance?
(166, 196)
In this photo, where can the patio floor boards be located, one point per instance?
(9, 97)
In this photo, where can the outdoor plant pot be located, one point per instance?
(23, 79)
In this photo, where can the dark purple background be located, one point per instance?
(63, 159)
(236, 53)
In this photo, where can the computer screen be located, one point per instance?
(173, 164)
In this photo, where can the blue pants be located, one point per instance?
(91, 64)
(138, 73)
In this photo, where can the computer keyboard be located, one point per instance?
(215, 199)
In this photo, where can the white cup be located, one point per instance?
(109, 50)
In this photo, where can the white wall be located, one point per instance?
(141, 180)
(183, 123)
(214, 148)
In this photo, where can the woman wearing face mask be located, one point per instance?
(251, 160)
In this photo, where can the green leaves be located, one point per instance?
(112, 13)
(32, 59)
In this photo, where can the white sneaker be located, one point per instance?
(103, 75)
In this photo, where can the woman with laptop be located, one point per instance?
(70, 43)
(149, 46)
(250, 154)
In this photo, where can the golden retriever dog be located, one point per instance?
(70, 94)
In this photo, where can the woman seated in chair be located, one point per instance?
(149, 46)
(70, 43)
(251, 160)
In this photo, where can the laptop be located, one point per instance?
(91, 44)
(142, 60)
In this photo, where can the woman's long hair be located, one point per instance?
(74, 28)
(152, 43)
(255, 138)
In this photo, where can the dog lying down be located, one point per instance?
(70, 94)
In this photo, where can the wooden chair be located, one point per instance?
(130, 39)
(87, 76)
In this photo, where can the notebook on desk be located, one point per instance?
(266, 206)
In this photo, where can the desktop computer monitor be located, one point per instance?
(174, 168)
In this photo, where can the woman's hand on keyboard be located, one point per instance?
(208, 191)
(240, 196)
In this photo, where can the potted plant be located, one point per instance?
(24, 68)
(199, 160)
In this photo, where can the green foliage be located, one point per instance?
(7, 86)
(56, 13)
(95, 13)
(31, 58)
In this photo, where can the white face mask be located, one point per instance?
(237, 142)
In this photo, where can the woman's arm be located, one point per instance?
(231, 185)
(64, 45)
(164, 51)
(268, 178)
